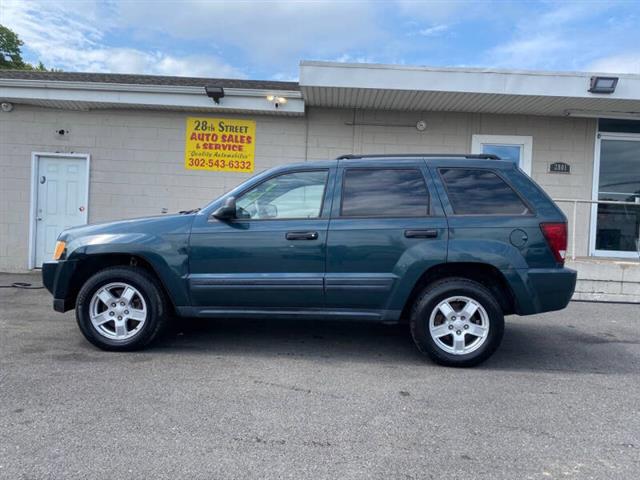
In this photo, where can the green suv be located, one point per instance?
(448, 243)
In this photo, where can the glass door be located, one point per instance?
(617, 179)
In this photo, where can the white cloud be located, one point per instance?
(239, 38)
(437, 11)
(66, 37)
(273, 33)
(349, 58)
(558, 38)
(433, 31)
(623, 63)
(540, 50)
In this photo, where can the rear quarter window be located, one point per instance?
(384, 192)
(480, 192)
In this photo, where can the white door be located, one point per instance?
(61, 200)
(517, 148)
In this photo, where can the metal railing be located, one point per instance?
(574, 214)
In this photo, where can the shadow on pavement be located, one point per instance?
(527, 346)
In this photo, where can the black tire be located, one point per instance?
(431, 297)
(147, 285)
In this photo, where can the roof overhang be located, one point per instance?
(396, 87)
(96, 96)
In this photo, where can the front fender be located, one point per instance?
(162, 242)
(167, 255)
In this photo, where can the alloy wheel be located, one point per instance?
(459, 325)
(118, 311)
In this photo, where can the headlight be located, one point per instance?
(59, 250)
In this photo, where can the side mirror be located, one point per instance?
(226, 211)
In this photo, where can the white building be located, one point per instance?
(82, 147)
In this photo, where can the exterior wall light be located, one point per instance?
(603, 84)
(277, 101)
(215, 92)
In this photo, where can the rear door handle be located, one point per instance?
(301, 235)
(431, 233)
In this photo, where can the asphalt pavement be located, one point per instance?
(311, 400)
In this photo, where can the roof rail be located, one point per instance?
(482, 156)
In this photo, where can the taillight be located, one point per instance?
(556, 235)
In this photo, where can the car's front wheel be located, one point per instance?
(457, 322)
(121, 308)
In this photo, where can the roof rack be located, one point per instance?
(482, 156)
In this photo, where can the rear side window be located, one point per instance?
(480, 192)
(384, 192)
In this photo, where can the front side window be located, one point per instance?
(384, 192)
(287, 196)
(480, 192)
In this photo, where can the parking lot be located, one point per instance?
(253, 399)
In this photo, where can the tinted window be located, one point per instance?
(384, 193)
(291, 195)
(615, 125)
(480, 192)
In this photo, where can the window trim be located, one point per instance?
(280, 174)
(531, 211)
(525, 141)
(408, 167)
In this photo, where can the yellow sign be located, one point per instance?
(224, 144)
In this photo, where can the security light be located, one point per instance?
(215, 92)
(277, 101)
(603, 84)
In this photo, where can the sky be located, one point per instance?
(268, 39)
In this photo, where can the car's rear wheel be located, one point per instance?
(121, 308)
(457, 322)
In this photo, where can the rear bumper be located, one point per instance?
(56, 277)
(541, 290)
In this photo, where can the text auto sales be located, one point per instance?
(228, 141)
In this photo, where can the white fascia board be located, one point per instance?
(395, 77)
(121, 95)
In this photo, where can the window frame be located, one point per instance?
(417, 168)
(593, 223)
(280, 174)
(524, 141)
(531, 211)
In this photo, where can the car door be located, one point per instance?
(273, 254)
(387, 227)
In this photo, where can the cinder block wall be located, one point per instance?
(137, 156)
(137, 164)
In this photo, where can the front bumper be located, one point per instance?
(539, 290)
(56, 277)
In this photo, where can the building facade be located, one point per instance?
(78, 148)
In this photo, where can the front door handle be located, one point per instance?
(430, 233)
(301, 235)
